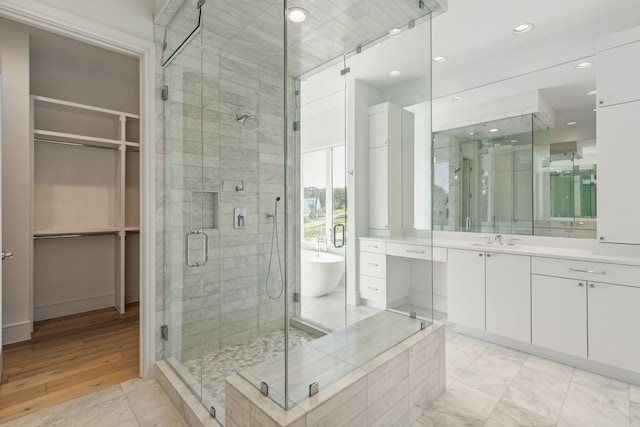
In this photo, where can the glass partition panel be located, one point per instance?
(239, 187)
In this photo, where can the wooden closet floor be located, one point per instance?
(68, 357)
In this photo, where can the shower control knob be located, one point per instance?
(601, 237)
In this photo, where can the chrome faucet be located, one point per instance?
(498, 239)
(321, 239)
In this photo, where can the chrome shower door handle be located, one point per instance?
(187, 248)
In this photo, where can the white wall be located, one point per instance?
(16, 194)
(130, 16)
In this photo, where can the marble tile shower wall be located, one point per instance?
(202, 146)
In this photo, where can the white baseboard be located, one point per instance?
(65, 308)
(16, 332)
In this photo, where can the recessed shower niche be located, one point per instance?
(204, 210)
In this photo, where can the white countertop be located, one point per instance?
(517, 249)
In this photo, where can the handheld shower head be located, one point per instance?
(275, 208)
(248, 121)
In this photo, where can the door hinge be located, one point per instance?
(296, 126)
(296, 297)
(164, 332)
(345, 71)
(165, 93)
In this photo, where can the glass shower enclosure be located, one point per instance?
(231, 197)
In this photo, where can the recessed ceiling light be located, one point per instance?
(591, 92)
(394, 73)
(522, 28)
(571, 123)
(438, 59)
(471, 133)
(583, 65)
(297, 14)
(457, 98)
(494, 130)
(395, 31)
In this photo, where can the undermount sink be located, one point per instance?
(493, 245)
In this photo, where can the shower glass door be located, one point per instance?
(189, 207)
(323, 208)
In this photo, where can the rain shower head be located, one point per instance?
(248, 121)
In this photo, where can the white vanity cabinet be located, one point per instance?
(618, 176)
(559, 314)
(614, 325)
(590, 312)
(617, 76)
(466, 291)
(390, 132)
(373, 273)
(508, 295)
(618, 102)
(490, 291)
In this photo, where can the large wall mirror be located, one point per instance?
(514, 115)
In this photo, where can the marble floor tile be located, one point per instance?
(634, 414)
(459, 405)
(550, 367)
(505, 353)
(458, 358)
(598, 382)
(507, 414)
(538, 392)
(112, 413)
(589, 406)
(490, 375)
(635, 393)
(471, 343)
(148, 398)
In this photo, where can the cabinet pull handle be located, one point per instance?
(479, 254)
(488, 255)
(373, 289)
(375, 265)
(577, 270)
(414, 251)
(592, 285)
(581, 284)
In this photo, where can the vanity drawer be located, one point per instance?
(374, 290)
(375, 246)
(586, 270)
(409, 251)
(374, 265)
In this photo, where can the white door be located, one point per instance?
(618, 149)
(614, 336)
(508, 294)
(466, 294)
(559, 314)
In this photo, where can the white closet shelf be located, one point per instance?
(69, 138)
(86, 109)
(75, 231)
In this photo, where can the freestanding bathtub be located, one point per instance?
(320, 273)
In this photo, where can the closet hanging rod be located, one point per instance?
(75, 144)
(70, 236)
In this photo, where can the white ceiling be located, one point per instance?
(486, 61)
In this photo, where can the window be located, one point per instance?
(324, 191)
